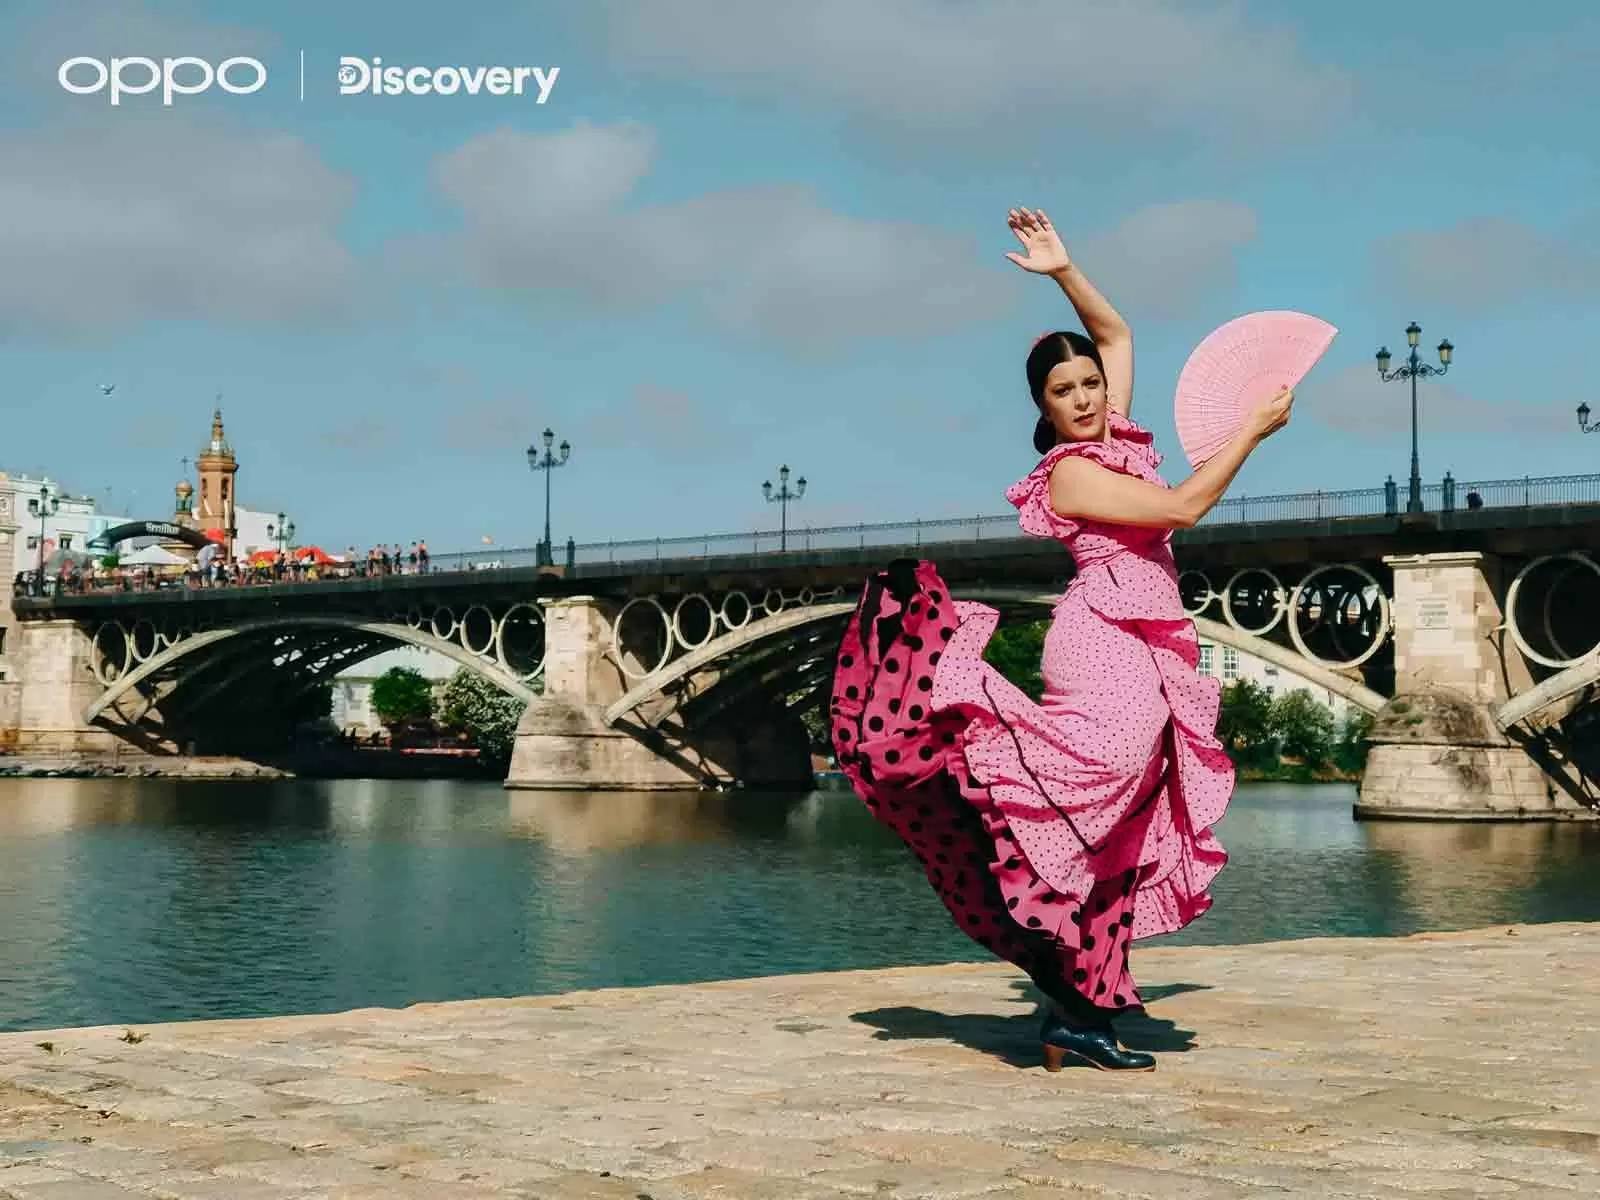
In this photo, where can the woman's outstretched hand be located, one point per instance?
(1273, 415)
(1046, 255)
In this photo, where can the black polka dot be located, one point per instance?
(1117, 998)
(891, 756)
(915, 712)
(847, 661)
(1126, 919)
(894, 706)
(852, 691)
(890, 665)
(1013, 902)
(844, 735)
(875, 724)
(925, 684)
(1088, 941)
(937, 598)
(1034, 922)
(1080, 976)
(1100, 988)
(934, 658)
(933, 614)
(925, 753)
(947, 634)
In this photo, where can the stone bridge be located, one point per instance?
(1473, 635)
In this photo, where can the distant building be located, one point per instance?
(352, 687)
(76, 521)
(1227, 664)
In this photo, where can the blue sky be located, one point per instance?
(737, 236)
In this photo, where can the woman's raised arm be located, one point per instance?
(1081, 488)
(1104, 324)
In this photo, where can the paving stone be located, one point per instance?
(1444, 1066)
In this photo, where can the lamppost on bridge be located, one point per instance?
(1413, 369)
(782, 497)
(43, 505)
(1583, 420)
(282, 533)
(547, 463)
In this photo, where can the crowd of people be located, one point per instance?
(72, 577)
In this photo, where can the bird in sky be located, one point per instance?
(108, 388)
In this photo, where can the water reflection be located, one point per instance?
(137, 900)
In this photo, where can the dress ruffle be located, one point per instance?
(1159, 825)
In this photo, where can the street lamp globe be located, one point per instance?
(1445, 351)
(1413, 334)
(766, 488)
(802, 482)
(1583, 416)
(533, 456)
(549, 437)
(1384, 358)
(566, 449)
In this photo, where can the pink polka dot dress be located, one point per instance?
(1057, 833)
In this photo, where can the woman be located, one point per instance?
(1057, 833)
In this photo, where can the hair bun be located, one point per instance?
(1044, 435)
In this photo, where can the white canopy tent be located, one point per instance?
(153, 556)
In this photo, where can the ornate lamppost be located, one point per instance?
(1413, 369)
(547, 463)
(43, 505)
(282, 533)
(1583, 420)
(782, 497)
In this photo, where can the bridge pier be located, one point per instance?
(55, 684)
(1437, 752)
(565, 743)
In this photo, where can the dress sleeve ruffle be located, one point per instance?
(1130, 451)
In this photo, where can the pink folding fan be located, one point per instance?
(1238, 367)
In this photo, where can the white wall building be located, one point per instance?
(352, 687)
(76, 520)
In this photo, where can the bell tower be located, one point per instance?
(214, 506)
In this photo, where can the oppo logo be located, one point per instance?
(183, 76)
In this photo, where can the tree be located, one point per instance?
(402, 695)
(1244, 726)
(472, 705)
(1350, 752)
(1303, 727)
(1015, 651)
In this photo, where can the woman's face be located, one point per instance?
(1074, 400)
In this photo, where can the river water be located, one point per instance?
(139, 901)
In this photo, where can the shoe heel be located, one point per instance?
(1054, 1056)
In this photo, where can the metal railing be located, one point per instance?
(1447, 496)
(1453, 495)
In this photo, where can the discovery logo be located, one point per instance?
(360, 76)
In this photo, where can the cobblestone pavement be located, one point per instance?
(1445, 1065)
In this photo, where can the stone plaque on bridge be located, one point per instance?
(1433, 612)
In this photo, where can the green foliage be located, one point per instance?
(1350, 752)
(1015, 651)
(401, 695)
(1303, 727)
(472, 705)
(108, 561)
(1245, 724)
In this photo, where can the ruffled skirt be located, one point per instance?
(1056, 833)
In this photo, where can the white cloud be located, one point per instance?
(553, 214)
(149, 218)
(1163, 259)
(1354, 400)
(1490, 263)
(1002, 72)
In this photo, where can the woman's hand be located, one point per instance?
(1271, 416)
(1046, 255)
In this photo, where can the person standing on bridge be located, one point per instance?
(1057, 833)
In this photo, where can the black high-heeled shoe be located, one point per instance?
(1097, 1047)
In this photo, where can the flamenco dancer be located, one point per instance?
(1057, 833)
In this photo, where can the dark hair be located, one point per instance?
(1058, 347)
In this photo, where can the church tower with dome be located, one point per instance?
(214, 506)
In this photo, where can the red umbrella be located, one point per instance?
(315, 553)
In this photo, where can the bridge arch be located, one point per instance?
(788, 622)
(392, 631)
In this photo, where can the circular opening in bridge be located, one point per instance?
(1550, 609)
(735, 610)
(693, 621)
(772, 602)
(111, 654)
(477, 630)
(414, 618)
(443, 623)
(145, 640)
(641, 637)
(520, 642)
(1195, 588)
(807, 597)
(171, 631)
(1339, 615)
(1253, 600)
